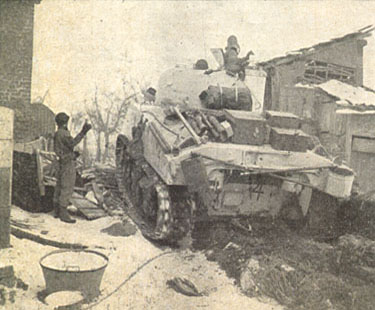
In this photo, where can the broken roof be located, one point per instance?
(303, 52)
(346, 94)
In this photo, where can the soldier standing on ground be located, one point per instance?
(64, 145)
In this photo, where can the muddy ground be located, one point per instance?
(300, 271)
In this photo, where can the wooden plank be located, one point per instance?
(83, 203)
(87, 208)
(92, 214)
(39, 165)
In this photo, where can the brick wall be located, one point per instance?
(16, 55)
(16, 50)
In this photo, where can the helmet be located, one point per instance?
(149, 94)
(61, 119)
(151, 91)
(232, 40)
(232, 43)
(201, 64)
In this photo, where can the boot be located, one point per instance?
(65, 217)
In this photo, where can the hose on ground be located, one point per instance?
(126, 280)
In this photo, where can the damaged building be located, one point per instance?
(322, 84)
(345, 115)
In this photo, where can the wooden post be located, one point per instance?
(348, 139)
(39, 165)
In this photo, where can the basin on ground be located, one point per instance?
(74, 270)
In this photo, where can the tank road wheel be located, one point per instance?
(173, 214)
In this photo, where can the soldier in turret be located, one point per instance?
(232, 63)
(150, 95)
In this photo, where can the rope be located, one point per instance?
(127, 279)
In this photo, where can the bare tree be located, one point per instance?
(77, 121)
(106, 112)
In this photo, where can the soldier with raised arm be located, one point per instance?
(64, 145)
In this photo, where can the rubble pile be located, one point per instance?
(364, 220)
(103, 175)
(357, 256)
(99, 192)
(300, 273)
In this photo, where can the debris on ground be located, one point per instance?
(98, 192)
(357, 249)
(295, 270)
(363, 221)
(237, 224)
(90, 196)
(9, 284)
(7, 276)
(101, 196)
(232, 246)
(102, 174)
(87, 208)
(123, 229)
(247, 277)
(357, 256)
(113, 203)
(183, 286)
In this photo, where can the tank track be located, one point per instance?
(162, 212)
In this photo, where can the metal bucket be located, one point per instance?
(74, 270)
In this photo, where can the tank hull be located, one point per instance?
(184, 163)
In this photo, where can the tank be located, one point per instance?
(206, 150)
